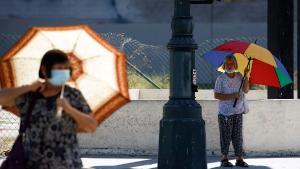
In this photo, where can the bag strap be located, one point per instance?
(29, 113)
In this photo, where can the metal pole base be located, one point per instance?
(182, 136)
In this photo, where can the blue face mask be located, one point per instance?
(59, 77)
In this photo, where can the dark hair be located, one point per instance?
(51, 58)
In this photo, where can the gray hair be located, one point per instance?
(230, 57)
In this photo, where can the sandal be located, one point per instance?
(241, 163)
(226, 163)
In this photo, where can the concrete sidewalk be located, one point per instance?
(213, 163)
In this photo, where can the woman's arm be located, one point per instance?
(84, 121)
(246, 81)
(221, 96)
(246, 85)
(8, 96)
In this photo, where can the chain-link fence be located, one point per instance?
(9, 125)
(152, 62)
(148, 65)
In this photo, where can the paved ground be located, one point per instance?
(213, 163)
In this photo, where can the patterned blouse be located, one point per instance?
(51, 142)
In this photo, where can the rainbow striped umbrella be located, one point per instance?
(265, 69)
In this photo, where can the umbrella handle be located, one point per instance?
(248, 65)
(235, 101)
(60, 109)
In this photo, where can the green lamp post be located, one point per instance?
(182, 143)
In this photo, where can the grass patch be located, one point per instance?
(137, 81)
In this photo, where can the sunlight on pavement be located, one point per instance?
(127, 163)
(96, 162)
(146, 166)
(150, 163)
(264, 163)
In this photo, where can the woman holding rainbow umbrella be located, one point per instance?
(242, 63)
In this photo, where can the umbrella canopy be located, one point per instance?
(249, 50)
(265, 69)
(99, 69)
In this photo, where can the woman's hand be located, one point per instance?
(84, 122)
(63, 103)
(236, 95)
(246, 70)
(36, 85)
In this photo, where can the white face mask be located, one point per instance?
(230, 71)
(59, 77)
